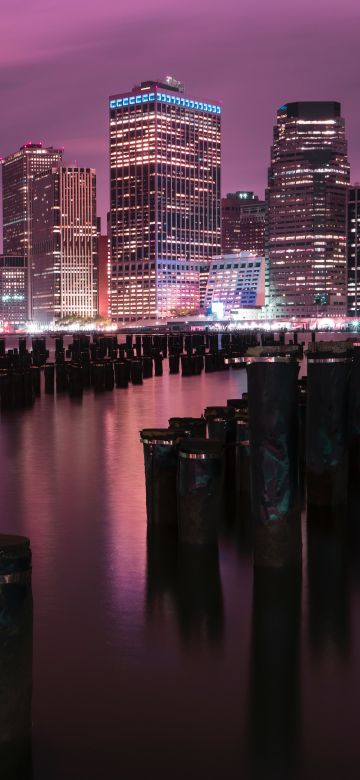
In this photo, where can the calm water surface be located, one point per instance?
(147, 663)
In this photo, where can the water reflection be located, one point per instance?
(274, 716)
(188, 577)
(237, 523)
(329, 623)
(162, 571)
(165, 690)
(200, 602)
(354, 534)
(16, 616)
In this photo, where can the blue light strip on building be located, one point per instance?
(163, 97)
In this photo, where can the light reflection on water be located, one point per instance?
(147, 662)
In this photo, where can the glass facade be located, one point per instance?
(236, 281)
(306, 211)
(165, 158)
(64, 244)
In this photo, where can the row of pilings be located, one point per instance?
(288, 442)
(103, 362)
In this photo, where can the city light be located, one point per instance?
(164, 97)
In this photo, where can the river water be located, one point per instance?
(146, 663)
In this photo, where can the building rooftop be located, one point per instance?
(242, 195)
(311, 109)
(166, 83)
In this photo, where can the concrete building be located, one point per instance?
(64, 244)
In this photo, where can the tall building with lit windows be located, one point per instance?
(18, 171)
(306, 211)
(165, 222)
(64, 244)
(353, 225)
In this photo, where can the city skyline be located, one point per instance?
(232, 64)
(179, 390)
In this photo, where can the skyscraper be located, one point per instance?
(64, 244)
(306, 211)
(353, 225)
(18, 171)
(165, 160)
(243, 223)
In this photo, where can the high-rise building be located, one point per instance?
(306, 211)
(13, 290)
(18, 171)
(243, 223)
(165, 160)
(64, 244)
(353, 248)
(236, 281)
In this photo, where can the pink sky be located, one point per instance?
(59, 61)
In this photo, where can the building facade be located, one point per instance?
(13, 291)
(306, 211)
(353, 246)
(18, 171)
(103, 275)
(243, 223)
(64, 244)
(165, 221)
(235, 282)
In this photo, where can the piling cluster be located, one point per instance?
(286, 439)
(188, 466)
(332, 425)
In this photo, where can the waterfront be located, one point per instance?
(143, 666)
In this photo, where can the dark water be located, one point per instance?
(151, 664)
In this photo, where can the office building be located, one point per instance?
(235, 282)
(353, 248)
(13, 291)
(243, 223)
(165, 219)
(306, 211)
(18, 171)
(64, 244)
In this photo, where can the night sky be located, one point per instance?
(61, 60)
